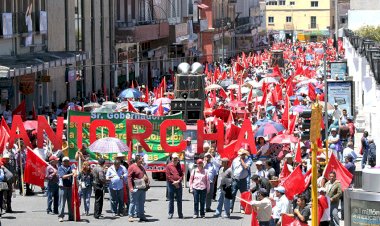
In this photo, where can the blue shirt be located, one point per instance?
(211, 171)
(238, 171)
(62, 170)
(1, 175)
(117, 183)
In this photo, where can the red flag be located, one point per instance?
(232, 97)
(4, 124)
(146, 95)
(224, 75)
(246, 198)
(298, 157)
(276, 72)
(322, 205)
(4, 138)
(232, 133)
(35, 169)
(75, 201)
(249, 98)
(160, 110)
(228, 151)
(207, 104)
(34, 114)
(299, 70)
(254, 221)
(285, 115)
(216, 74)
(131, 108)
(223, 93)
(292, 123)
(264, 98)
(296, 102)
(238, 67)
(311, 92)
(239, 93)
(285, 172)
(292, 183)
(278, 92)
(342, 174)
(291, 221)
(20, 110)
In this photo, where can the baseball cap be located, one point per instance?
(53, 158)
(206, 145)
(65, 159)
(280, 189)
(188, 139)
(322, 189)
(175, 155)
(259, 162)
(333, 129)
(288, 155)
(199, 161)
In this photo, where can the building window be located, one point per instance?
(313, 22)
(281, 2)
(342, 20)
(288, 19)
(292, 3)
(272, 2)
(271, 20)
(314, 3)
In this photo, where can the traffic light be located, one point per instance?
(305, 125)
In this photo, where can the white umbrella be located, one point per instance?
(108, 145)
(213, 87)
(233, 86)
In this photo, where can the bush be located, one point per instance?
(369, 32)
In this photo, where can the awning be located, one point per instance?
(202, 6)
(11, 66)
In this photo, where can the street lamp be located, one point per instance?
(366, 44)
(376, 68)
(372, 51)
(355, 41)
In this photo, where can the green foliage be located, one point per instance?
(369, 32)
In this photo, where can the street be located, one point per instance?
(32, 209)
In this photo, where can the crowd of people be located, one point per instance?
(213, 176)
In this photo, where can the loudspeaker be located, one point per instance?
(189, 86)
(277, 58)
(192, 109)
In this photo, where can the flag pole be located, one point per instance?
(21, 169)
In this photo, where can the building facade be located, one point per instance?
(54, 50)
(304, 20)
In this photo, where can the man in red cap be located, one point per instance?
(52, 187)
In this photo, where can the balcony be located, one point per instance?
(313, 26)
(222, 22)
(141, 31)
(242, 21)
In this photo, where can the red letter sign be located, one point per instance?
(79, 120)
(163, 135)
(17, 124)
(101, 122)
(139, 136)
(202, 136)
(250, 140)
(43, 125)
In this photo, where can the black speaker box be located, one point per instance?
(189, 86)
(192, 109)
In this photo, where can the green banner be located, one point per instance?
(157, 156)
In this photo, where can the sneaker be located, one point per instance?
(242, 211)
(210, 210)
(225, 216)
(203, 216)
(143, 220)
(195, 216)
(113, 215)
(60, 219)
(216, 215)
(180, 216)
(131, 219)
(170, 216)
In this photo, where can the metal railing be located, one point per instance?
(133, 23)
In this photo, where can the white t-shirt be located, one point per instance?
(326, 213)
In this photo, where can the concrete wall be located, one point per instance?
(365, 4)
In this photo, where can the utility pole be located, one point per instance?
(222, 31)
(336, 26)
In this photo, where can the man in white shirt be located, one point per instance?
(263, 207)
(282, 205)
(260, 171)
(349, 150)
(336, 113)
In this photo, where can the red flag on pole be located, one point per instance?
(131, 108)
(238, 67)
(20, 110)
(291, 221)
(160, 110)
(223, 93)
(146, 95)
(292, 183)
(285, 172)
(35, 169)
(311, 92)
(75, 201)
(298, 157)
(342, 174)
(4, 124)
(4, 138)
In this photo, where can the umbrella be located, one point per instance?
(213, 87)
(253, 84)
(162, 100)
(257, 93)
(245, 90)
(74, 107)
(92, 105)
(108, 145)
(225, 83)
(154, 108)
(102, 110)
(31, 125)
(130, 93)
(299, 108)
(268, 80)
(109, 104)
(138, 104)
(261, 122)
(233, 86)
(236, 103)
(269, 128)
(284, 139)
(306, 82)
(292, 98)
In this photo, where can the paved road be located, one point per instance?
(31, 211)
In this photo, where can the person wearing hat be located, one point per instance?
(334, 191)
(260, 170)
(283, 206)
(189, 157)
(199, 186)
(117, 176)
(240, 168)
(335, 144)
(289, 161)
(174, 177)
(323, 207)
(52, 185)
(224, 192)
(263, 207)
(140, 151)
(66, 173)
(337, 113)
(211, 170)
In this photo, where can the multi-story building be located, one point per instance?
(305, 20)
(54, 50)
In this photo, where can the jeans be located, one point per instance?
(86, 195)
(65, 195)
(334, 214)
(52, 193)
(199, 198)
(264, 223)
(98, 207)
(137, 203)
(240, 185)
(364, 159)
(178, 192)
(209, 196)
(222, 201)
(117, 202)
